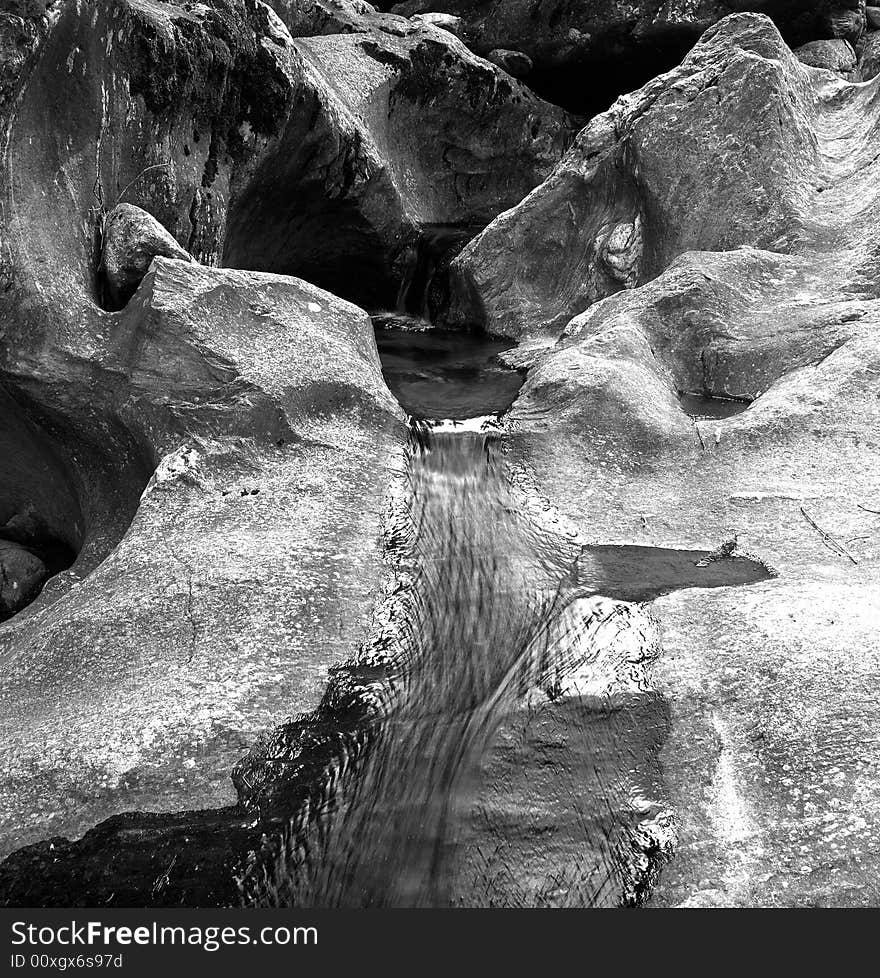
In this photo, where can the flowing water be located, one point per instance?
(493, 779)
(477, 628)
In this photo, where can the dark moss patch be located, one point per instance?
(216, 65)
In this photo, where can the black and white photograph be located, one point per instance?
(439, 463)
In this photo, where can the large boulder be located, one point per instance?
(259, 403)
(215, 459)
(393, 132)
(716, 154)
(768, 762)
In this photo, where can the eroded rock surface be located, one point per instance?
(219, 453)
(644, 183)
(770, 761)
(834, 55)
(392, 130)
(218, 457)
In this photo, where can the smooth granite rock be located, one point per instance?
(769, 763)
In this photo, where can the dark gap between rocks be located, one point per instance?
(437, 373)
(589, 82)
(40, 517)
(68, 493)
(424, 288)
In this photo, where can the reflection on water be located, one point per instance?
(701, 406)
(633, 573)
(476, 626)
(442, 374)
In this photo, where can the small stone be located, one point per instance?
(835, 55)
(515, 63)
(446, 22)
(872, 17)
(22, 574)
(132, 239)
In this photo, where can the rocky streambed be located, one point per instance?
(273, 585)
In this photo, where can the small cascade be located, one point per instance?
(424, 288)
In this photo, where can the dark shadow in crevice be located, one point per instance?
(68, 493)
(589, 82)
(424, 291)
(327, 243)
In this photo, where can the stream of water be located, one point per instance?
(486, 784)
(477, 628)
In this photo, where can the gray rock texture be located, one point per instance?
(513, 62)
(844, 20)
(21, 575)
(392, 130)
(139, 685)
(448, 22)
(869, 57)
(644, 183)
(130, 239)
(834, 55)
(218, 455)
(196, 522)
(769, 765)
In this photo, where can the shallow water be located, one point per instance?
(444, 374)
(485, 785)
(476, 625)
(469, 794)
(635, 573)
(700, 406)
